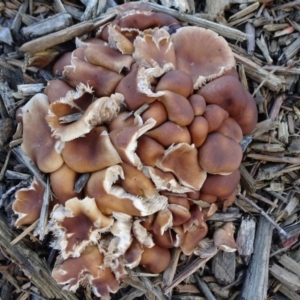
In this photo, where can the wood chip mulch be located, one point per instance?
(265, 39)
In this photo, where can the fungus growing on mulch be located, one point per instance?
(158, 128)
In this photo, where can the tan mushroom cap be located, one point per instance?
(101, 54)
(176, 81)
(136, 183)
(72, 240)
(113, 198)
(151, 257)
(101, 110)
(223, 238)
(62, 183)
(220, 154)
(155, 49)
(202, 54)
(182, 161)
(170, 133)
(102, 80)
(38, 142)
(178, 108)
(86, 268)
(28, 203)
(91, 153)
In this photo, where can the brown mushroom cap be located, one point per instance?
(195, 230)
(181, 160)
(101, 54)
(87, 268)
(198, 130)
(154, 150)
(221, 186)
(226, 92)
(136, 183)
(198, 104)
(156, 111)
(28, 203)
(232, 129)
(91, 153)
(220, 154)
(102, 80)
(136, 87)
(202, 54)
(176, 81)
(151, 256)
(178, 108)
(125, 140)
(248, 119)
(38, 142)
(64, 219)
(63, 61)
(215, 115)
(170, 133)
(112, 198)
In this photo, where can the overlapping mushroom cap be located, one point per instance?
(157, 125)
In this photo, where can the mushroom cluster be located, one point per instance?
(154, 113)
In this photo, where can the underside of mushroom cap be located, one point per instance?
(202, 54)
(102, 110)
(155, 49)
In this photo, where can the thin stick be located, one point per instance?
(281, 231)
(187, 271)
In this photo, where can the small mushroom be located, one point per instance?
(151, 257)
(28, 203)
(223, 238)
